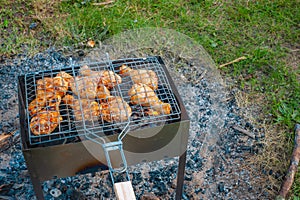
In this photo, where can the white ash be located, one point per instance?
(215, 158)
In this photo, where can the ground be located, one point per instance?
(261, 97)
(218, 157)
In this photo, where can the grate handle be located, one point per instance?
(115, 146)
(125, 130)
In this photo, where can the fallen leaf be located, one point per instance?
(91, 43)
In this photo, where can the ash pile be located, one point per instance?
(216, 152)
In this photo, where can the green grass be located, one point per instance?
(264, 31)
(259, 30)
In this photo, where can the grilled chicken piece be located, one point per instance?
(115, 110)
(105, 77)
(45, 122)
(86, 71)
(45, 108)
(90, 109)
(102, 93)
(85, 87)
(67, 77)
(54, 102)
(36, 105)
(40, 103)
(49, 87)
(143, 95)
(147, 77)
(109, 79)
(151, 112)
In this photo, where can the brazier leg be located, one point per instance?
(37, 187)
(180, 176)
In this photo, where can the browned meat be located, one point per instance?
(85, 87)
(115, 110)
(105, 77)
(45, 122)
(143, 95)
(36, 105)
(102, 93)
(90, 109)
(147, 77)
(49, 87)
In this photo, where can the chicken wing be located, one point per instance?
(147, 77)
(83, 109)
(143, 95)
(45, 122)
(115, 110)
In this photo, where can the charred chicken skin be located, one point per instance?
(147, 77)
(142, 94)
(115, 110)
(90, 109)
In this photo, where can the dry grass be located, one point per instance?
(271, 159)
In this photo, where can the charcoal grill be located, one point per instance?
(73, 147)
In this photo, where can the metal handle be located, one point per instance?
(125, 130)
(115, 146)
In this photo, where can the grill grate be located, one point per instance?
(75, 123)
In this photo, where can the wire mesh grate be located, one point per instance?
(97, 99)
